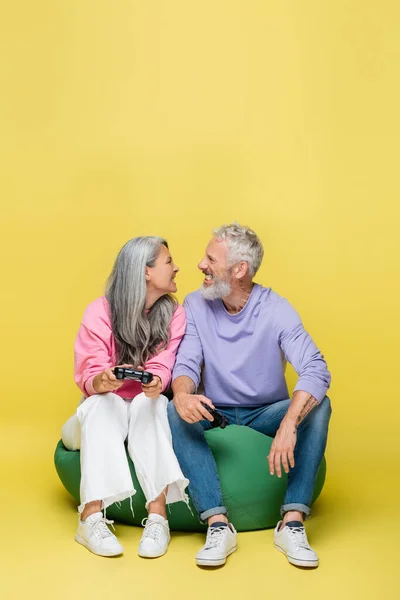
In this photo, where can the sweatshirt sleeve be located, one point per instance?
(300, 350)
(190, 356)
(93, 346)
(163, 363)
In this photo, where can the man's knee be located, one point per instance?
(325, 407)
(322, 413)
(172, 413)
(175, 420)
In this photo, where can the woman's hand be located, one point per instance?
(282, 448)
(107, 382)
(152, 389)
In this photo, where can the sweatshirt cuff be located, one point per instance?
(186, 372)
(165, 379)
(312, 388)
(88, 387)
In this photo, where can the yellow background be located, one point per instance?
(128, 118)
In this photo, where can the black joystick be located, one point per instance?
(125, 373)
(219, 420)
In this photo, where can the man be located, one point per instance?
(238, 337)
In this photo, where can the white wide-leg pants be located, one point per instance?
(99, 429)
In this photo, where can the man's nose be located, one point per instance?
(202, 265)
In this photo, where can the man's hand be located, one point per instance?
(190, 408)
(152, 389)
(282, 448)
(107, 382)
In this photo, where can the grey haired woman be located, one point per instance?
(138, 324)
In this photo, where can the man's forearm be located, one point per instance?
(302, 403)
(183, 384)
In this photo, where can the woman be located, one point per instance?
(138, 324)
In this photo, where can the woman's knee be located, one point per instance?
(108, 408)
(141, 403)
(100, 402)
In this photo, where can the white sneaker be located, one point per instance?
(155, 538)
(220, 543)
(293, 542)
(96, 536)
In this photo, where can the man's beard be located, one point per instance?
(220, 288)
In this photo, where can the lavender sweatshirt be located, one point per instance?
(241, 358)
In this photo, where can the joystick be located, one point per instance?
(219, 419)
(125, 373)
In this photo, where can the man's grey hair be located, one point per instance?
(138, 335)
(243, 244)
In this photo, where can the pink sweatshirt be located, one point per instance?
(95, 350)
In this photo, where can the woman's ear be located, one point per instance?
(147, 274)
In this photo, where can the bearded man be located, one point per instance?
(239, 336)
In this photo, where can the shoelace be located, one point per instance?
(100, 528)
(298, 535)
(215, 536)
(153, 529)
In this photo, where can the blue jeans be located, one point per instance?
(198, 464)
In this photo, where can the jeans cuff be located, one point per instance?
(306, 510)
(218, 510)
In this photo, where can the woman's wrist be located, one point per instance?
(95, 384)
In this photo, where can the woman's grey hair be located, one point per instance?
(138, 335)
(243, 244)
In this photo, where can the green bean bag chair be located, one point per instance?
(252, 496)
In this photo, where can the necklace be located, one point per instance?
(236, 309)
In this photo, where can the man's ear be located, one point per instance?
(241, 269)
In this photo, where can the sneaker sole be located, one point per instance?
(106, 554)
(296, 561)
(204, 562)
(144, 555)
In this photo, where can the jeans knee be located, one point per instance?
(326, 407)
(176, 423)
(172, 413)
(322, 413)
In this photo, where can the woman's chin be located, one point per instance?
(171, 289)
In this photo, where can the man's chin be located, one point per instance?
(207, 293)
(216, 291)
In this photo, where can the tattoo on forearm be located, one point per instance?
(310, 403)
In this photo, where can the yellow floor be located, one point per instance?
(40, 559)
